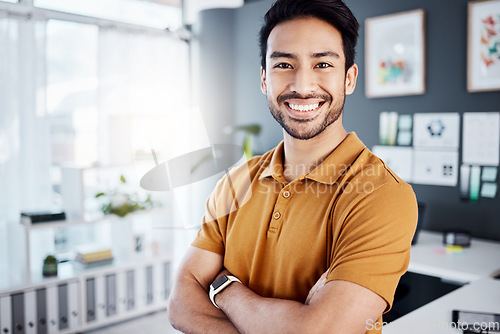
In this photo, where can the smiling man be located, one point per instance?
(324, 235)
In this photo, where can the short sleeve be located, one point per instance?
(210, 237)
(373, 246)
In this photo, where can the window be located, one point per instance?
(138, 12)
(71, 62)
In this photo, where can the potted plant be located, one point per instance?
(50, 266)
(121, 203)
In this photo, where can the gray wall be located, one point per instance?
(446, 45)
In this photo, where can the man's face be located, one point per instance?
(304, 79)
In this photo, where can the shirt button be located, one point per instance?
(286, 194)
(276, 215)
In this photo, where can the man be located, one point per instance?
(322, 241)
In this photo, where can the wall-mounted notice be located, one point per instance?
(436, 130)
(435, 167)
(399, 159)
(481, 138)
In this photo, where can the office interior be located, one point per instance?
(93, 98)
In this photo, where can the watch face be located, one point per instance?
(219, 281)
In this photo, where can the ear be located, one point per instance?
(350, 79)
(263, 86)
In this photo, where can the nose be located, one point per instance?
(304, 81)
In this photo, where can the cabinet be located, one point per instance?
(82, 298)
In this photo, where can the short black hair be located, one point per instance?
(334, 12)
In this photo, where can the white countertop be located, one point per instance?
(429, 257)
(481, 295)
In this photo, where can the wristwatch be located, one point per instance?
(220, 284)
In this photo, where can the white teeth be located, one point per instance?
(300, 107)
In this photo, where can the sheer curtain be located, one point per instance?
(145, 103)
(24, 147)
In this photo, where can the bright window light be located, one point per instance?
(138, 12)
(72, 91)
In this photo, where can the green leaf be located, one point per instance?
(122, 178)
(99, 195)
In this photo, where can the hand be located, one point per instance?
(319, 284)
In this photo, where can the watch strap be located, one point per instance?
(213, 292)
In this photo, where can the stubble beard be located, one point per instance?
(288, 124)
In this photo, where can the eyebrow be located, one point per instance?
(279, 54)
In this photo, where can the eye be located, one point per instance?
(283, 65)
(323, 65)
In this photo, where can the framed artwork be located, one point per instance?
(395, 54)
(483, 46)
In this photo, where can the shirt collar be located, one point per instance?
(338, 161)
(328, 171)
(275, 167)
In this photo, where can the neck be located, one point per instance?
(302, 156)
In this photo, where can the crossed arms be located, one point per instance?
(337, 307)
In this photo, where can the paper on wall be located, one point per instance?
(435, 167)
(399, 159)
(489, 174)
(481, 138)
(439, 130)
(489, 190)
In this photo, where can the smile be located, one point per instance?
(301, 107)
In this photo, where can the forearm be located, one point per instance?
(191, 311)
(251, 313)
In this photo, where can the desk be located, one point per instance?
(429, 257)
(482, 295)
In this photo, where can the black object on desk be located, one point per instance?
(456, 238)
(42, 216)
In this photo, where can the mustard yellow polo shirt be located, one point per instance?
(351, 215)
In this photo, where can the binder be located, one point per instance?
(100, 297)
(41, 311)
(5, 314)
(17, 301)
(52, 310)
(130, 290)
(140, 288)
(63, 306)
(110, 294)
(73, 305)
(166, 279)
(149, 285)
(30, 312)
(90, 299)
(121, 287)
(158, 282)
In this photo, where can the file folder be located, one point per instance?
(166, 279)
(130, 290)
(100, 297)
(73, 305)
(90, 299)
(52, 310)
(111, 294)
(121, 286)
(140, 288)
(30, 312)
(158, 283)
(17, 313)
(149, 285)
(63, 306)
(41, 311)
(5, 314)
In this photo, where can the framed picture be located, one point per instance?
(395, 54)
(483, 46)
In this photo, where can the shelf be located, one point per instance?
(91, 220)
